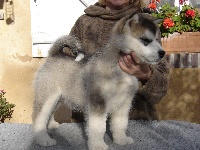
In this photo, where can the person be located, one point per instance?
(94, 30)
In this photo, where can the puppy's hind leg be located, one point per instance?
(52, 123)
(119, 123)
(42, 119)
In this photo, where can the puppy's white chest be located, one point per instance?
(119, 89)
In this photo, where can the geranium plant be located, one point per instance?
(6, 109)
(186, 20)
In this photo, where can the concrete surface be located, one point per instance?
(156, 135)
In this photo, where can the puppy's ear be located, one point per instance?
(134, 19)
(144, 3)
(157, 21)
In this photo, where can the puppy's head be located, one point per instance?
(139, 34)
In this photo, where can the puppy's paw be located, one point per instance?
(45, 141)
(97, 146)
(53, 125)
(123, 141)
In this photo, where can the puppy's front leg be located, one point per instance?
(96, 129)
(119, 123)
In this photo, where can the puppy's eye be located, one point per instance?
(145, 40)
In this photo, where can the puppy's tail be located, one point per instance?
(67, 45)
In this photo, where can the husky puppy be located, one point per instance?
(99, 87)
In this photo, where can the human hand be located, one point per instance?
(131, 64)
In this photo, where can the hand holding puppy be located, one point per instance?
(130, 64)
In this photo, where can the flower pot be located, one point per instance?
(186, 42)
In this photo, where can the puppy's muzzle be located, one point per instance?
(161, 54)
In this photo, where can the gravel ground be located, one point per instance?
(155, 135)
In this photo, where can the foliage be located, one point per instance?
(187, 20)
(5, 108)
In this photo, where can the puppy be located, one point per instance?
(98, 87)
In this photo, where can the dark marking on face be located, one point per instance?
(145, 41)
(149, 24)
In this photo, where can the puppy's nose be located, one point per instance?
(161, 53)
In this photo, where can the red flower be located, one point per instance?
(152, 6)
(190, 13)
(168, 23)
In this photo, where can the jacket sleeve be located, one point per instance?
(156, 87)
(77, 29)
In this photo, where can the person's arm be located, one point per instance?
(156, 87)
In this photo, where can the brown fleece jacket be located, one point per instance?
(94, 30)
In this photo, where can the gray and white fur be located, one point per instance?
(99, 87)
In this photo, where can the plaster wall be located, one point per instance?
(17, 66)
(17, 70)
(182, 101)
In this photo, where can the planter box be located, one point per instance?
(187, 42)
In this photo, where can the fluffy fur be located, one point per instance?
(99, 87)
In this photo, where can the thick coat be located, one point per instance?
(94, 30)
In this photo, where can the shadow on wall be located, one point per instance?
(1, 4)
(182, 101)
